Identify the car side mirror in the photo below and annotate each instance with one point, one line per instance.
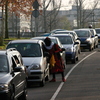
(17, 69)
(76, 42)
(92, 36)
(63, 49)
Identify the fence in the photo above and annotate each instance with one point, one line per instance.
(24, 34)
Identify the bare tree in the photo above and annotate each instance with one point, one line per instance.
(50, 12)
(82, 13)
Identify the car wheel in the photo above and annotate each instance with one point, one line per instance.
(96, 46)
(90, 48)
(24, 94)
(74, 61)
(42, 83)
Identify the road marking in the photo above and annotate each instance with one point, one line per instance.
(62, 83)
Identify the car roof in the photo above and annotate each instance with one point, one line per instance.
(82, 29)
(25, 41)
(61, 35)
(43, 37)
(3, 52)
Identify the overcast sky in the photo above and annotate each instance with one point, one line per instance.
(66, 4)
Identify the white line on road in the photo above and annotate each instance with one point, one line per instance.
(62, 83)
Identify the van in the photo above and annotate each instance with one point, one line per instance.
(34, 58)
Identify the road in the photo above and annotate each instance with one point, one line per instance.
(82, 81)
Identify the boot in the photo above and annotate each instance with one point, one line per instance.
(53, 80)
(63, 79)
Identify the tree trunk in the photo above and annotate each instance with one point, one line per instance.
(6, 20)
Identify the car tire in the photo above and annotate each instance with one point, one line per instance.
(73, 61)
(97, 46)
(90, 48)
(42, 83)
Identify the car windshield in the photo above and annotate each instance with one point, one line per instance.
(92, 32)
(53, 40)
(27, 49)
(62, 32)
(65, 39)
(82, 33)
(3, 64)
(97, 31)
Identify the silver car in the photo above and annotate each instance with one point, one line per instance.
(34, 58)
(57, 41)
(75, 36)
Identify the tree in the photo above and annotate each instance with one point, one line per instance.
(63, 23)
(18, 7)
(82, 14)
(50, 12)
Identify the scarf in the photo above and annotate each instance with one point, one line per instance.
(49, 47)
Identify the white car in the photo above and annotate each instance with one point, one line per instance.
(55, 40)
(71, 47)
(34, 58)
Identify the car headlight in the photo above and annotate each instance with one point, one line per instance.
(3, 86)
(34, 67)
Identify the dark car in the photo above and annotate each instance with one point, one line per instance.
(13, 78)
(86, 38)
(70, 45)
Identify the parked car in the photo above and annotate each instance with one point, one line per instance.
(98, 33)
(75, 36)
(56, 30)
(13, 77)
(86, 38)
(45, 34)
(71, 47)
(95, 37)
(34, 58)
(55, 40)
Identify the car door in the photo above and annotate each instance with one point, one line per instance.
(17, 78)
(45, 63)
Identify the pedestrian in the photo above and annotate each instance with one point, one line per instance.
(54, 50)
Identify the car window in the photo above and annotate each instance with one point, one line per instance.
(92, 32)
(18, 63)
(4, 67)
(27, 49)
(83, 33)
(65, 39)
(97, 31)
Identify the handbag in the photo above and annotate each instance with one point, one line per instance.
(52, 61)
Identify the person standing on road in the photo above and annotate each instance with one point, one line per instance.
(54, 50)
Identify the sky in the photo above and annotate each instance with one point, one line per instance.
(67, 3)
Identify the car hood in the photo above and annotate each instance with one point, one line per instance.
(83, 38)
(68, 46)
(30, 60)
(99, 35)
(4, 77)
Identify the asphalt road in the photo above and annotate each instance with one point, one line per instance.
(82, 81)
